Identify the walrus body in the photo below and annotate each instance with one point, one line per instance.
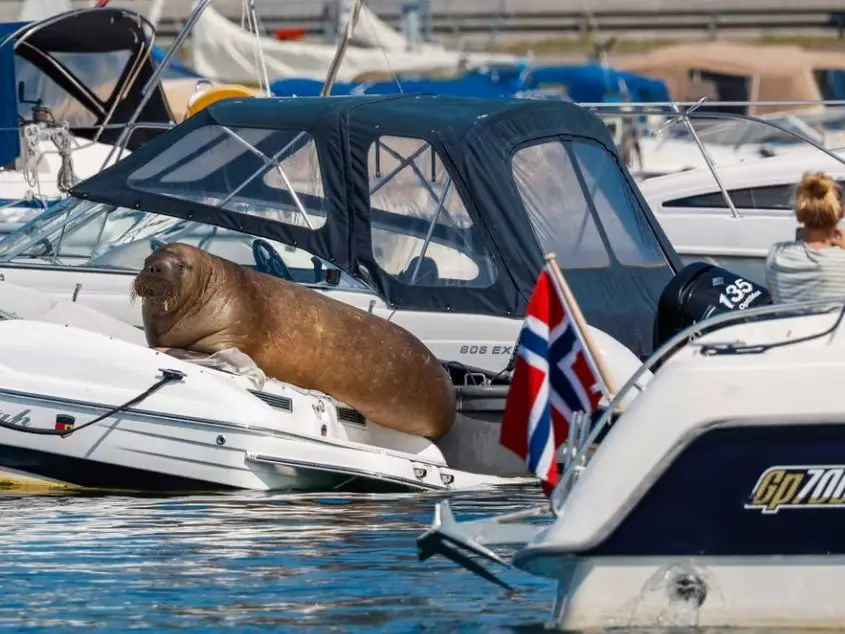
(197, 301)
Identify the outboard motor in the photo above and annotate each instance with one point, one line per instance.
(699, 291)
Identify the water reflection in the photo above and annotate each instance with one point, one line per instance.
(281, 562)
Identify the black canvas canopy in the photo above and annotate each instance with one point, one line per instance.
(438, 203)
(88, 66)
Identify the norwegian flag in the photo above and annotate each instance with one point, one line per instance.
(553, 378)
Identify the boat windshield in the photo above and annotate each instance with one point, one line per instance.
(822, 127)
(595, 225)
(76, 232)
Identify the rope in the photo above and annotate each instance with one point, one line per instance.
(66, 178)
(168, 376)
(31, 154)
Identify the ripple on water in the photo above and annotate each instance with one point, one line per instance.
(249, 561)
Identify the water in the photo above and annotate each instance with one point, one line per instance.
(254, 562)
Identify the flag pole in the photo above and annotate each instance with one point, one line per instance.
(594, 357)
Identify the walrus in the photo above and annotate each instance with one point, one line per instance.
(197, 301)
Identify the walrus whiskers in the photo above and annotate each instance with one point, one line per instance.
(152, 288)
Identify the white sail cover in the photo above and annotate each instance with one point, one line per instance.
(223, 51)
(36, 10)
(371, 31)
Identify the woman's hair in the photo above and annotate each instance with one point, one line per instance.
(818, 201)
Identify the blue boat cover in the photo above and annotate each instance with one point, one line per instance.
(580, 83)
(176, 69)
(10, 145)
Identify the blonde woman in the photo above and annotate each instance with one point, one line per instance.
(813, 266)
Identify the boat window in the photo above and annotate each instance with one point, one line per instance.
(37, 85)
(628, 232)
(98, 71)
(69, 233)
(82, 233)
(738, 133)
(557, 209)
(421, 232)
(764, 197)
(129, 236)
(271, 173)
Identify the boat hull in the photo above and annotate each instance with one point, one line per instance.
(746, 592)
(83, 409)
(141, 451)
(138, 452)
(728, 512)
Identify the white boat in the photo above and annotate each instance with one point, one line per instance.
(422, 180)
(693, 209)
(454, 266)
(82, 408)
(658, 149)
(730, 213)
(650, 157)
(65, 98)
(715, 497)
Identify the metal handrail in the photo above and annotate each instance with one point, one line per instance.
(155, 79)
(637, 109)
(577, 462)
(721, 104)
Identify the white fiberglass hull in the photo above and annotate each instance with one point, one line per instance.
(716, 498)
(747, 592)
(156, 453)
(207, 429)
(728, 512)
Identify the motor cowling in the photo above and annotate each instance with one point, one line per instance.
(701, 290)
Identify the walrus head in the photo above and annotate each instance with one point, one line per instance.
(162, 280)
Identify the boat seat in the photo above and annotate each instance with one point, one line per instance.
(427, 275)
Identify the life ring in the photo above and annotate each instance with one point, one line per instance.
(205, 98)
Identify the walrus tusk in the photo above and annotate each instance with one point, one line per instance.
(297, 335)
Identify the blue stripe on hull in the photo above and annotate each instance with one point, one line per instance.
(738, 491)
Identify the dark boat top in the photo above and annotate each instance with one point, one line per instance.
(438, 203)
(88, 67)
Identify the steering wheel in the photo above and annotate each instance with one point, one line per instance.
(268, 260)
(48, 249)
